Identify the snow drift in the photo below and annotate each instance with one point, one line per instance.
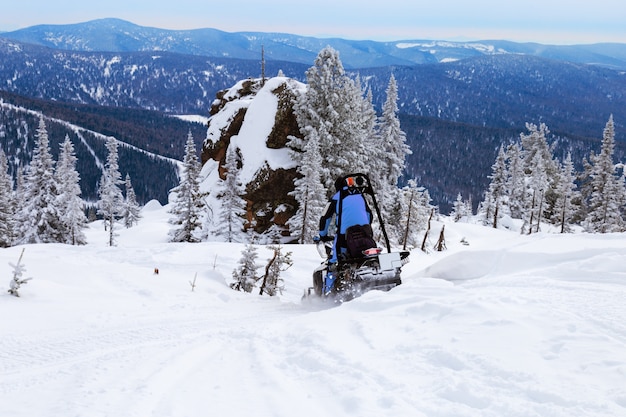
(508, 325)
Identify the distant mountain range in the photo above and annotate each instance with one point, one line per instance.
(458, 101)
(115, 35)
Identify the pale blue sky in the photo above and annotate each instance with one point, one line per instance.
(544, 21)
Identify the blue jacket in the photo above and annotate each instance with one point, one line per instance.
(354, 211)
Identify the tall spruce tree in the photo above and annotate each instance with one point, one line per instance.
(333, 107)
(7, 205)
(308, 192)
(393, 139)
(232, 215)
(111, 199)
(388, 154)
(131, 211)
(566, 195)
(40, 216)
(515, 184)
(188, 206)
(72, 207)
(496, 205)
(607, 193)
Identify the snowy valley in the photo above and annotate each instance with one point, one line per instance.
(506, 325)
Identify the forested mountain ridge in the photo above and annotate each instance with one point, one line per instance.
(117, 35)
(472, 104)
(152, 141)
(503, 91)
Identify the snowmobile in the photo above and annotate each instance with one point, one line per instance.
(362, 270)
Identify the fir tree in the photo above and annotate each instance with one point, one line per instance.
(308, 192)
(459, 209)
(39, 214)
(515, 184)
(245, 276)
(7, 205)
(131, 211)
(497, 189)
(537, 186)
(393, 139)
(608, 195)
(566, 192)
(189, 205)
(231, 219)
(70, 204)
(416, 209)
(111, 198)
(332, 106)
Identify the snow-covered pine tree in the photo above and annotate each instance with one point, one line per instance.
(245, 276)
(608, 194)
(497, 190)
(535, 145)
(416, 208)
(110, 193)
(333, 107)
(536, 153)
(393, 139)
(566, 195)
(7, 204)
(515, 185)
(538, 185)
(39, 215)
(388, 155)
(71, 206)
(131, 211)
(232, 214)
(272, 282)
(460, 209)
(308, 192)
(188, 206)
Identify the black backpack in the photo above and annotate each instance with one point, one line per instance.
(358, 239)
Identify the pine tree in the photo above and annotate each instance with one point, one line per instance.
(71, 206)
(538, 185)
(497, 189)
(515, 184)
(131, 211)
(189, 205)
(39, 213)
(416, 208)
(393, 139)
(608, 195)
(272, 283)
(566, 192)
(232, 216)
(7, 205)
(245, 275)
(111, 198)
(459, 209)
(332, 106)
(308, 192)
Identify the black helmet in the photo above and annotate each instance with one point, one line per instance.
(339, 183)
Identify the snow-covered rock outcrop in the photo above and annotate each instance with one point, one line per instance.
(257, 118)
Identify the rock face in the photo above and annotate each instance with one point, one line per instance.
(257, 118)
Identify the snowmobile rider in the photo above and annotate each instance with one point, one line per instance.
(354, 211)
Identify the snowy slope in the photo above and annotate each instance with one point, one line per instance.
(509, 325)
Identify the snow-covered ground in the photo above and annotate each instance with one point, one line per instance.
(508, 325)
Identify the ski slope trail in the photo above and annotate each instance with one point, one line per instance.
(508, 325)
